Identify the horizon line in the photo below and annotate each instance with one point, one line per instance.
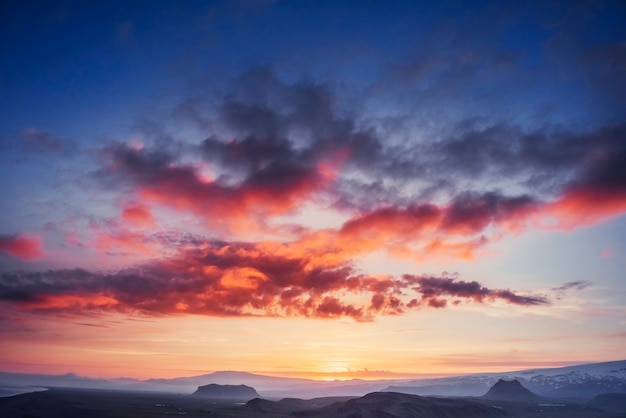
(327, 376)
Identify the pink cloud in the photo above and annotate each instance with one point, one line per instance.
(584, 206)
(138, 215)
(231, 207)
(24, 246)
(138, 243)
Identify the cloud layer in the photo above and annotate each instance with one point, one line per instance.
(221, 200)
(287, 146)
(243, 279)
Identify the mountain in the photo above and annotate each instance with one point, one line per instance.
(582, 381)
(384, 405)
(271, 386)
(97, 403)
(511, 390)
(14, 383)
(230, 392)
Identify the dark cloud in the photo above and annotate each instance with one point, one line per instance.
(272, 189)
(251, 153)
(270, 121)
(300, 124)
(566, 287)
(435, 289)
(605, 165)
(127, 163)
(268, 131)
(473, 213)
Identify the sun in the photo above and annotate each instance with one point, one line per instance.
(335, 368)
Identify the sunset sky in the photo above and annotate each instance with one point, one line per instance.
(311, 188)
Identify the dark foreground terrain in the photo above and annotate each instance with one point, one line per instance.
(75, 403)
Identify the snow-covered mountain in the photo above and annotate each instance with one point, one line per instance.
(583, 381)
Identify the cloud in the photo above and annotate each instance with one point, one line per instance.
(600, 191)
(577, 285)
(24, 246)
(435, 289)
(113, 241)
(240, 279)
(276, 188)
(560, 291)
(274, 176)
(456, 230)
(275, 147)
(138, 215)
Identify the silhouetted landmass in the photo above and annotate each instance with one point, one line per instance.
(510, 391)
(77, 403)
(451, 388)
(230, 392)
(400, 405)
(615, 402)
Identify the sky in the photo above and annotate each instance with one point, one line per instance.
(311, 188)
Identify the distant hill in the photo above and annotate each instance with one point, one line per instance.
(383, 404)
(583, 382)
(272, 386)
(510, 391)
(613, 402)
(229, 392)
(96, 403)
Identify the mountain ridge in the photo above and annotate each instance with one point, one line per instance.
(586, 380)
(583, 381)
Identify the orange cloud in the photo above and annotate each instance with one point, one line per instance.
(240, 279)
(457, 230)
(72, 302)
